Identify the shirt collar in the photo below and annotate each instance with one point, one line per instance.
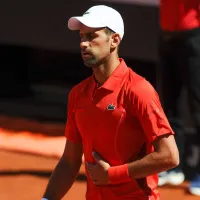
(116, 77)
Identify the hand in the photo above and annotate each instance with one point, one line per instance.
(98, 172)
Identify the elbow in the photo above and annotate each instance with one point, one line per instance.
(172, 160)
(175, 160)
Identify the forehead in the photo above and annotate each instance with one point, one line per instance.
(86, 29)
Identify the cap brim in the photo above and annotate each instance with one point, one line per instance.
(74, 23)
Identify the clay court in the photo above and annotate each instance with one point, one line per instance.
(29, 152)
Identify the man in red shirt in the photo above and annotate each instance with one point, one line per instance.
(180, 61)
(115, 118)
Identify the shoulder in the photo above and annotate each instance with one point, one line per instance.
(80, 87)
(139, 89)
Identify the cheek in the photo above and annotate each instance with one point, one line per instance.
(104, 48)
(101, 48)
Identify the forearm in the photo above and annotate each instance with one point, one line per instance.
(61, 180)
(151, 164)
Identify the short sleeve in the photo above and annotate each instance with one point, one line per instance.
(71, 131)
(147, 107)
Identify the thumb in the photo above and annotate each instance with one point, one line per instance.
(97, 157)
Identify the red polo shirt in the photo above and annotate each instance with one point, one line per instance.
(119, 120)
(176, 15)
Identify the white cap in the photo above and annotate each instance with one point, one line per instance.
(98, 17)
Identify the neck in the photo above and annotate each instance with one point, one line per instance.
(103, 71)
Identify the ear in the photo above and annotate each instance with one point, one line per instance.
(115, 40)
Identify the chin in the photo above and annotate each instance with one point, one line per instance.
(90, 64)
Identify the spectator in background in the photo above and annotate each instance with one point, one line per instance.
(180, 61)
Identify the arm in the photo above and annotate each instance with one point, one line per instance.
(65, 172)
(147, 107)
(164, 157)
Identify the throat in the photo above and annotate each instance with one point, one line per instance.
(103, 72)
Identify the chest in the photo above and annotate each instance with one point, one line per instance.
(106, 125)
(101, 111)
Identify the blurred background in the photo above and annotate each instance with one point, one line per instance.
(40, 61)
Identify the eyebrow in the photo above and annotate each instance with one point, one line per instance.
(88, 33)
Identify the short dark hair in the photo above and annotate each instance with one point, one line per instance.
(109, 31)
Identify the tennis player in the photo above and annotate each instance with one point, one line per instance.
(115, 118)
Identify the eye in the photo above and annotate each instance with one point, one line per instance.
(93, 35)
(88, 36)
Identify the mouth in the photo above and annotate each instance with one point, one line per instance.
(86, 54)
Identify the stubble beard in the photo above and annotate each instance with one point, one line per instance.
(91, 63)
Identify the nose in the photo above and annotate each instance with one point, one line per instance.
(84, 44)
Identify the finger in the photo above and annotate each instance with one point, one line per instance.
(89, 170)
(91, 177)
(90, 166)
(96, 182)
